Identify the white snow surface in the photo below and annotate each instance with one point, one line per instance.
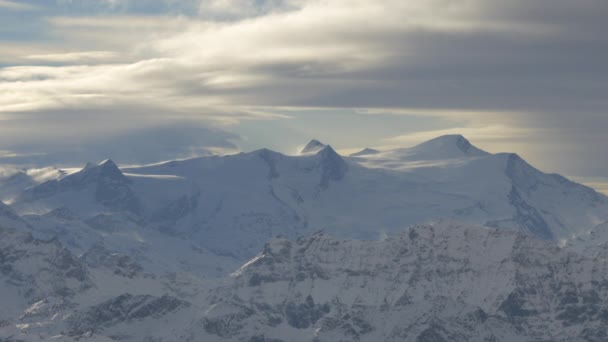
(442, 282)
(231, 205)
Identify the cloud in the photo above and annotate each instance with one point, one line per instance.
(134, 146)
(239, 9)
(490, 136)
(504, 73)
(417, 55)
(600, 184)
(17, 6)
(82, 56)
(43, 174)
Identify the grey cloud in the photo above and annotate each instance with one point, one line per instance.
(479, 70)
(132, 146)
(538, 64)
(16, 6)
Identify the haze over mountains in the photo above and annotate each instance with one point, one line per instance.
(109, 251)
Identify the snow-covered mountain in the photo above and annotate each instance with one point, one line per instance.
(104, 183)
(364, 152)
(50, 289)
(14, 181)
(31, 269)
(313, 146)
(145, 253)
(231, 205)
(445, 282)
(430, 283)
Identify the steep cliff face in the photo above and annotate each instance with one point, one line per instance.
(431, 283)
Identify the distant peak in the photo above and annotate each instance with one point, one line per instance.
(7, 211)
(449, 146)
(365, 152)
(106, 169)
(312, 147)
(18, 176)
(333, 167)
(108, 163)
(462, 143)
(328, 151)
(452, 139)
(326, 147)
(315, 142)
(4, 206)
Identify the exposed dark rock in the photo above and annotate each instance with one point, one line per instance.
(305, 314)
(331, 165)
(122, 309)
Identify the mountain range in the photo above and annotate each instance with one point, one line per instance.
(438, 242)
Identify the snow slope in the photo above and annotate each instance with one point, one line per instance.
(230, 205)
(153, 253)
(443, 282)
(431, 283)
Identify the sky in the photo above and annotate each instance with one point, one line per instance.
(148, 80)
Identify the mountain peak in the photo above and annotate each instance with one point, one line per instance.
(327, 152)
(6, 210)
(8, 216)
(331, 164)
(457, 140)
(20, 175)
(108, 163)
(106, 169)
(365, 152)
(448, 146)
(312, 147)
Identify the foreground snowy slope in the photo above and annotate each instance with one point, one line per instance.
(445, 282)
(230, 205)
(45, 281)
(430, 283)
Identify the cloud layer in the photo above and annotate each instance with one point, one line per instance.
(134, 146)
(518, 75)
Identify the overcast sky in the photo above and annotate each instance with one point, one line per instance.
(79, 79)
